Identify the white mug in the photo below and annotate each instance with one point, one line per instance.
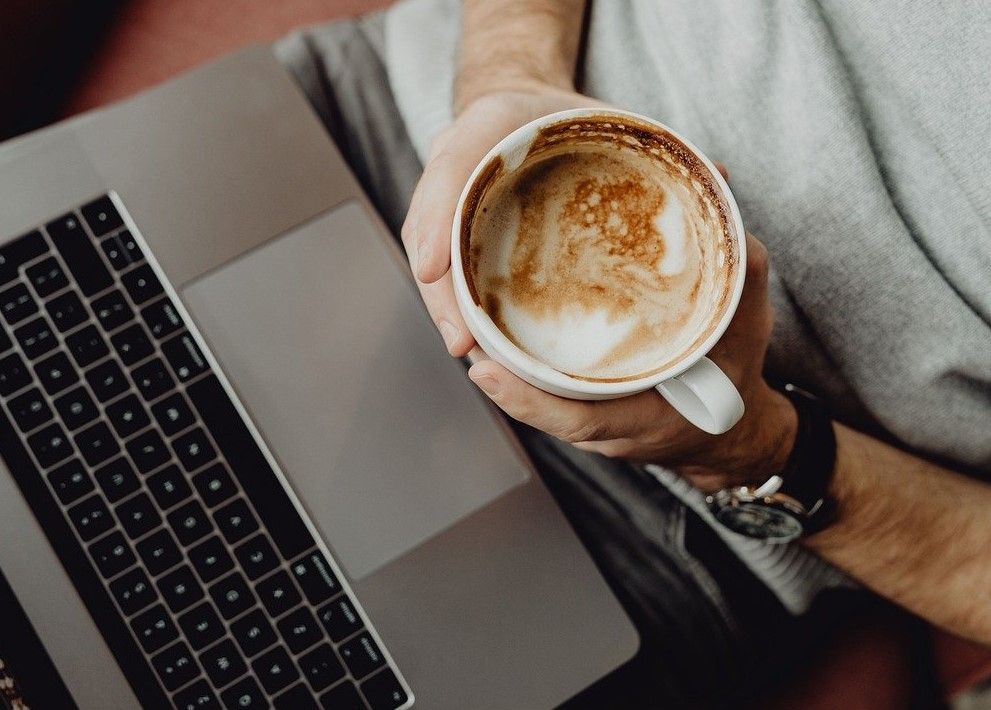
(694, 385)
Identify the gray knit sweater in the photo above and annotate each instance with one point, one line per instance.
(858, 140)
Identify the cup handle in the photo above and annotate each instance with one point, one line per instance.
(705, 396)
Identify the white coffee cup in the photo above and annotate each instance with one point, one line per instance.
(694, 385)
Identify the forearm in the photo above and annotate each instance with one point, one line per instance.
(514, 44)
(914, 532)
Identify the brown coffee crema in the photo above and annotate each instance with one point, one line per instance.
(609, 254)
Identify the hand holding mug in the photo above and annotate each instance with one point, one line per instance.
(642, 426)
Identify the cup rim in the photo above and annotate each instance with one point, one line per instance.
(490, 337)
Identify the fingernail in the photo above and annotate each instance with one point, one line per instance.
(448, 332)
(422, 256)
(488, 384)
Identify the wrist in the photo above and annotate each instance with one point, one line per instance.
(765, 440)
(469, 88)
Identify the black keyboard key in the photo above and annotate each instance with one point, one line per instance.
(79, 254)
(50, 445)
(300, 630)
(232, 596)
(342, 697)
(30, 410)
(36, 338)
(66, 311)
(5, 342)
(275, 670)
(86, 346)
(198, 696)
(17, 303)
(169, 487)
(253, 633)
(148, 451)
(142, 284)
(257, 556)
(173, 414)
(127, 416)
(321, 667)
(46, 277)
(76, 408)
(250, 467)
(91, 518)
(112, 554)
(340, 618)
(70, 481)
(175, 666)
(362, 655)
(18, 252)
(315, 577)
(215, 485)
(153, 379)
(138, 515)
(112, 310)
(201, 625)
(162, 318)
(132, 344)
(133, 591)
(117, 479)
(210, 559)
(107, 380)
(184, 357)
(131, 247)
(297, 697)
(180, 589)
(159, 552)
(235, 520)
(101, 216)
(194, 449)
(154, 628)
(117, 255)
(190, 522)
(97, 443)
(56, 373)
(245, 695)
(278, 593)
(383, 691)
(223, 663)
(14, 374)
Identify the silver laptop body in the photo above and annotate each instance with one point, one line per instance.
(469, 577)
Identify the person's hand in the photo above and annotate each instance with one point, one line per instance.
(641, 427)
(645, 428)
(454, 153)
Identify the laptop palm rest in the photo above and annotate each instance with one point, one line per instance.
(377, 428)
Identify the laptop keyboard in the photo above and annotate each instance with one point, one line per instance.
(167, 515)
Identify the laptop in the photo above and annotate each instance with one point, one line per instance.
(239, 468)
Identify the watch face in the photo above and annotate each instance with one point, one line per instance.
(763, 522)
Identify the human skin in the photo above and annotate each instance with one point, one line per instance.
(913, 531)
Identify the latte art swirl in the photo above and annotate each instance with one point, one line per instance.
(605, 258)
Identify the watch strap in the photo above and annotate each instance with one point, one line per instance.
(808, 471)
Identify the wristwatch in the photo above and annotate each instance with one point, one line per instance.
(795, 502)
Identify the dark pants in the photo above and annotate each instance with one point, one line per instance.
(712, 634)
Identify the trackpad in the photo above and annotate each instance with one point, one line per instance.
(377, 428)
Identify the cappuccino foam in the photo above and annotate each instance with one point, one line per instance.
(604, 256)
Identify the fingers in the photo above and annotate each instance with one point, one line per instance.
(568, 419)
(453, 156)
(722, 170)
(443, 309)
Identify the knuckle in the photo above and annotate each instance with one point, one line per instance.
(758, 261)
(586, 430)
(406, 232)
